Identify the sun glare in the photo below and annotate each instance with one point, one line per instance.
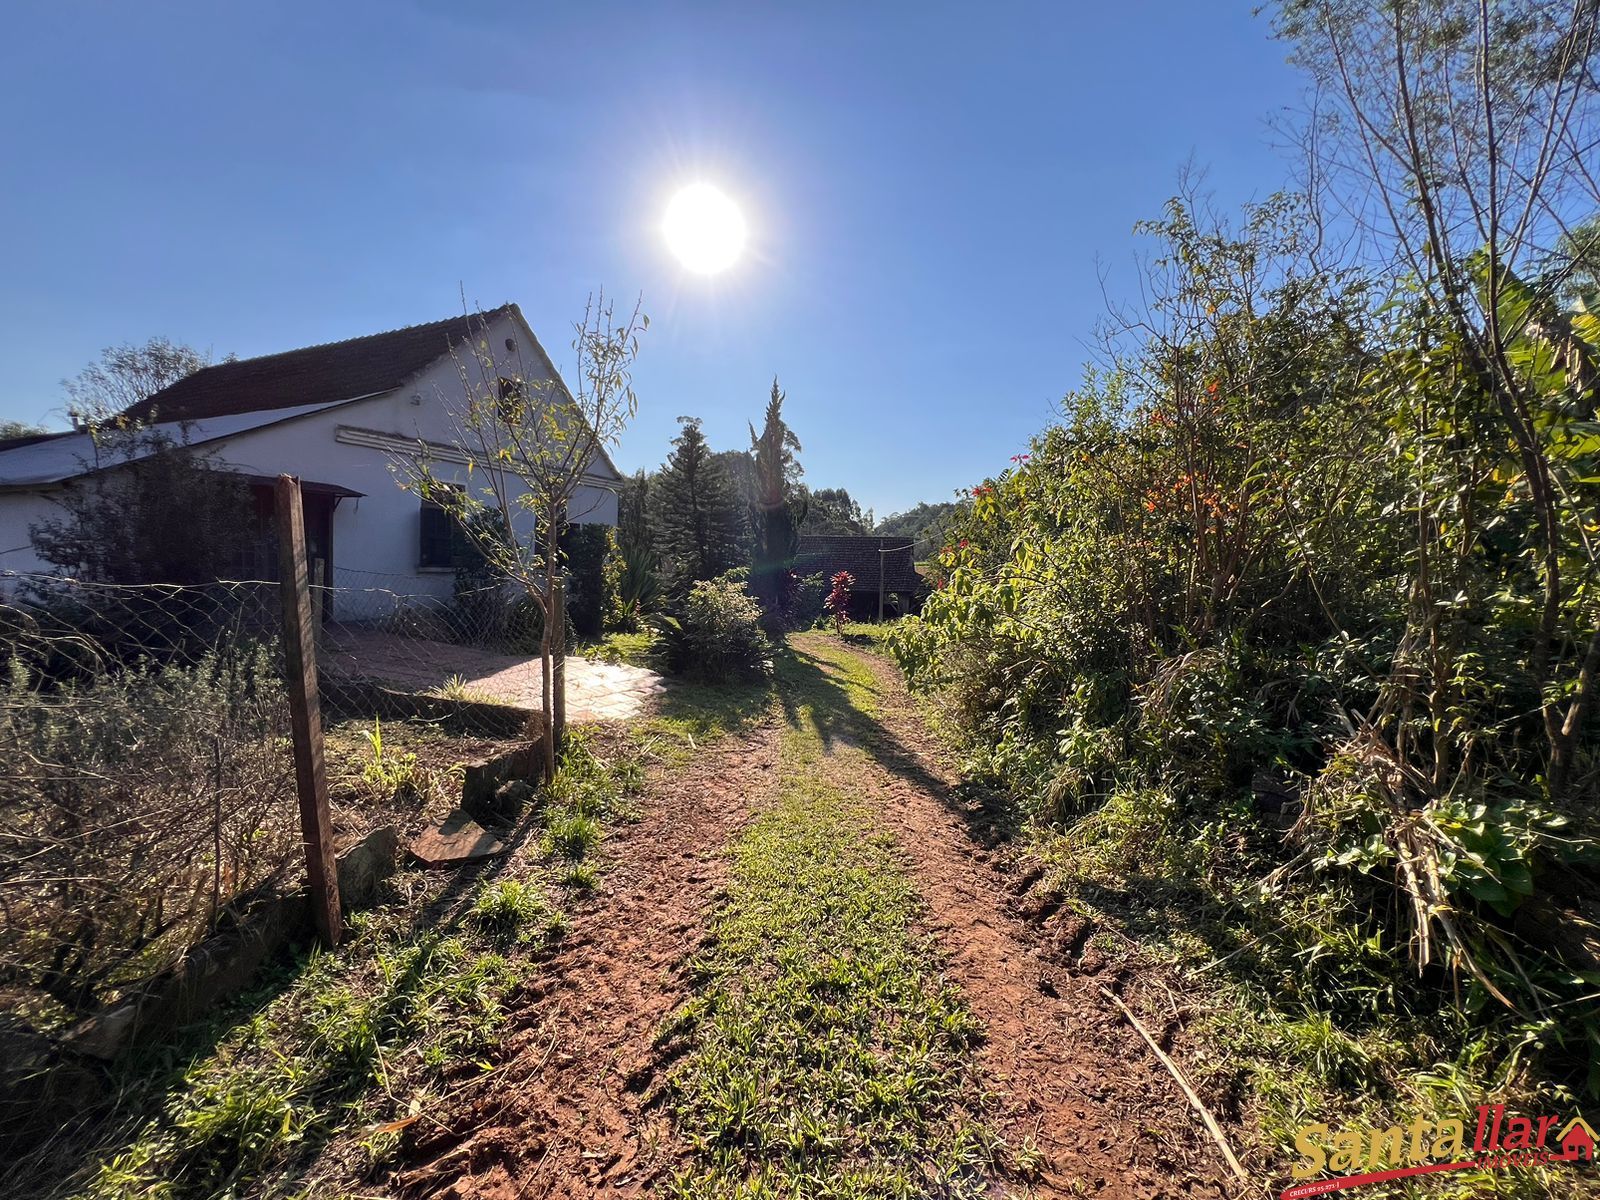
(704, 229)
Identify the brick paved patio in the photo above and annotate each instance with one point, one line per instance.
(596, 691)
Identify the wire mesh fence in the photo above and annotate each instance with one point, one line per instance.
(474, 643)
(146, 784)
(147, 787)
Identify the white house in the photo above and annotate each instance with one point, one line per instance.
(337, 416)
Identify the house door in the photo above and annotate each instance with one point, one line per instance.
(259, 556)
(317, 508)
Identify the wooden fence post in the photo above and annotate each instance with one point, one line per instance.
(305, 712)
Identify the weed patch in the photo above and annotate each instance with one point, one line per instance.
(358, 1039)
(516, 910)
(314, 1089)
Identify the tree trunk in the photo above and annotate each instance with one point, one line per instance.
(557, 625)
(547, 735)
(558, 621)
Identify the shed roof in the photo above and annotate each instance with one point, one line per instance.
(41, 462)
(830, 553)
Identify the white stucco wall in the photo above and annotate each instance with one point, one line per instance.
(18, 511)
(376, 538)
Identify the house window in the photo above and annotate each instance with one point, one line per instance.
(441, 543)
(511, 398)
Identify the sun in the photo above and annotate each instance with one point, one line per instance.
(704, 229)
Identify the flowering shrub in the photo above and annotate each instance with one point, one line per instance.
(838, 601)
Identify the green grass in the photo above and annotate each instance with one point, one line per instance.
(363, 1035)
(1293, 1007)
(825, 1054)
(691, 715)
(632, 649)
(344, 1048)
(572, 834)
(584, 792)
(869, 635)
(457, 688)
(516, 910)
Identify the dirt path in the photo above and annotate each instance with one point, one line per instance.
(1073, 1078)
(565, 1116)
(1080, 1099)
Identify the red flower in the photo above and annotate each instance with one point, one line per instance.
(965, 543)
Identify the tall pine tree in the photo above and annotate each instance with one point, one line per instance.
(778, 509)
(696, 518)
(633, 513)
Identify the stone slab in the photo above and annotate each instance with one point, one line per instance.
(456, 840)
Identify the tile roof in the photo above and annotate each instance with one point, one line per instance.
(831, 553)
(362, 366)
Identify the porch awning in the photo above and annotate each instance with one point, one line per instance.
(309, 485)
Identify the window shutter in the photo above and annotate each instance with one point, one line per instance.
(436, 541)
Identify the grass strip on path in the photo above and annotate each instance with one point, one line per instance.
(824, 1055)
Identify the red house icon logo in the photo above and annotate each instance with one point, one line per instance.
(1577, 1141)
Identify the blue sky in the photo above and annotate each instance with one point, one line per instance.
(934, 192)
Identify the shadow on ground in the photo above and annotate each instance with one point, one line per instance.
(816, 697)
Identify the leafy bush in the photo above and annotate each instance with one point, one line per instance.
(156, 510)
(1266, 618)
(633, 588)
(587, 548)
(838, 600)
(715, 635)
(806, 599)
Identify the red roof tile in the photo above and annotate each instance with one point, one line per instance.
(361, 366)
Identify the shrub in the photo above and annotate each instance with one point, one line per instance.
(1262, 620)
(156, 510)
(588, 548)
(633, 588)
(134, 807)
(838, 601)
(715, 636)
(806, 602)
(515, 910)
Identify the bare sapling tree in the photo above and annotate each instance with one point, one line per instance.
(1457, 137)
(529, 444)
(127, 374)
